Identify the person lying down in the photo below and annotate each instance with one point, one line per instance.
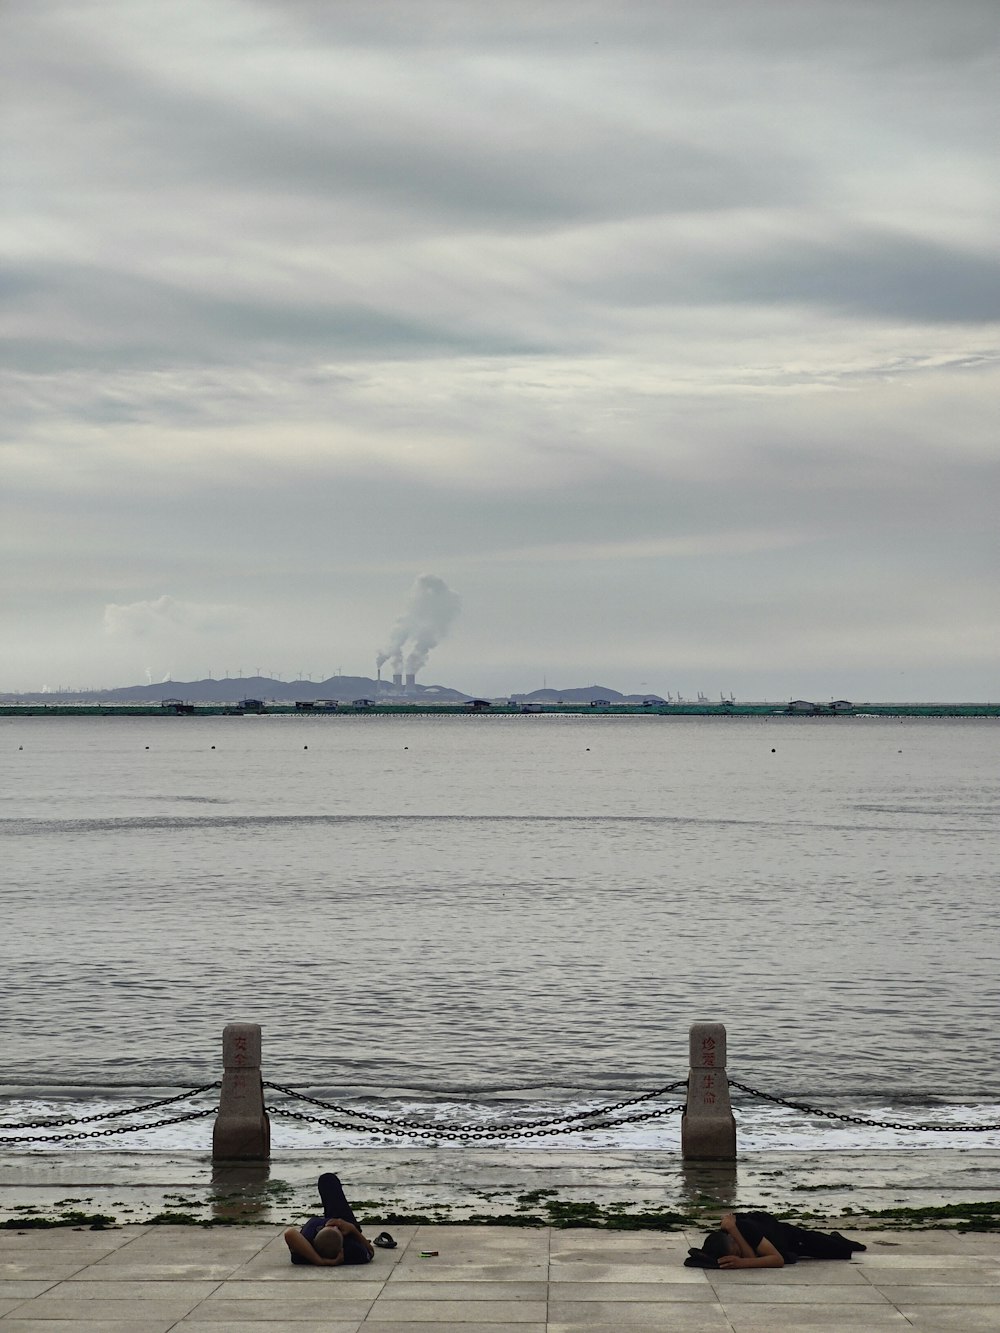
(760, 1240)
(335, 1238)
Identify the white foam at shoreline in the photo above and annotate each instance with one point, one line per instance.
(764, 1128)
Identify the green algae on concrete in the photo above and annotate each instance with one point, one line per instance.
(619, 1191)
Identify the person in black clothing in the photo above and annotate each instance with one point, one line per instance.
(758, 1240)
(335, 1238)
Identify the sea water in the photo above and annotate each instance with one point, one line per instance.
(483, 918)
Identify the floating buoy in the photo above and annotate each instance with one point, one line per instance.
(213, 747)
(305, 747)
(773, 751)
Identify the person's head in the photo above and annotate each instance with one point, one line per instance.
(328, 1243)
(714, 1247)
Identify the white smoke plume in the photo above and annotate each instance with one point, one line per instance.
(427, 619)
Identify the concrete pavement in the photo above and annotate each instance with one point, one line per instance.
(158, 1279)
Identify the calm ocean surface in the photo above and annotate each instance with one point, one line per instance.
(473, 916)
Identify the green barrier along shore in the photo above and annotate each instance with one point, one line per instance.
(877, 710)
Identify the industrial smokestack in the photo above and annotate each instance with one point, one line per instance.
(411, 680)
(425, 622)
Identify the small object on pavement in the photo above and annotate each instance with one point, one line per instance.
(429, 1254)
(384, 1241)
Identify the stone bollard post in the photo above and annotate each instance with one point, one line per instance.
(708, 1129)
(242, 1130)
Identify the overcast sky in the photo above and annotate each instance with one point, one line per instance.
(667, 335)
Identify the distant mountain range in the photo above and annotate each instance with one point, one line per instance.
(341, 688)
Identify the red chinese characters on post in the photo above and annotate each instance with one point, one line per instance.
(708, 1052)
(706, 1086)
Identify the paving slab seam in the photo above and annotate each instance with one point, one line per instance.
(256, 1255)
(720, 1303)
(221, 1283)
(935, 1281)
(894, 1306)
(548, 1277)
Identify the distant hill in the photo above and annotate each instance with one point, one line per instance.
(341, 688)
(584, 694)
(228, 691)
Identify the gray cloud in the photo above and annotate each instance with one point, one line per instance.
(466, 142)
(112, 318)
(164, 615)
(886, 274)
(677, 322)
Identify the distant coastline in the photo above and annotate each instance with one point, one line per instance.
(484, 708)
(353, 694)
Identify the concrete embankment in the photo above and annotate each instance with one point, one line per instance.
(588, 1242)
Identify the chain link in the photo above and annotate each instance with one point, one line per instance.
(597, 1118)
(110, 1115)
(580, 1121)
(468, 1136)
(106, 1133)
(470, 1127)
(860, 1119)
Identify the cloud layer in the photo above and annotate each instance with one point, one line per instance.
(668, 337)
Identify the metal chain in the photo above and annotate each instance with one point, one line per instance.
(860, 1119)
(105, 1133)
(470, 1127)
(467, 1132)
(468, 1136)
(110, 1115)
